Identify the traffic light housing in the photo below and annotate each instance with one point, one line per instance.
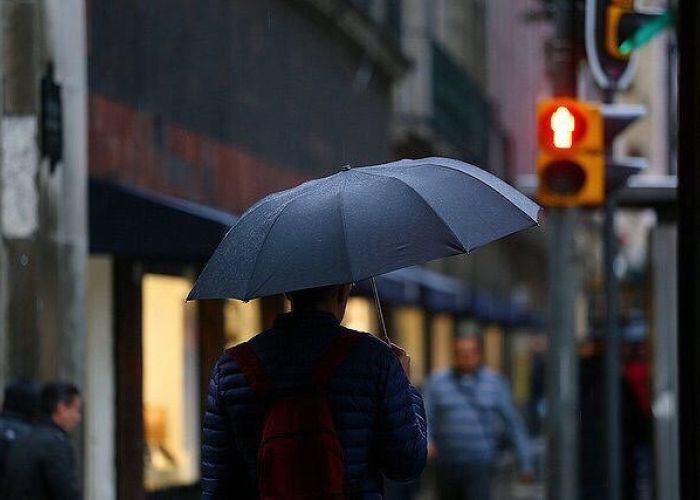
(623, 23)
(613, 31)
(570, 162)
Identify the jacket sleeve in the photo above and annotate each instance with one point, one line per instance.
(59, 470)
(515, 427)
(402, 433)
(223, 469)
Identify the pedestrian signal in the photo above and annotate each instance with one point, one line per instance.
(570, 163)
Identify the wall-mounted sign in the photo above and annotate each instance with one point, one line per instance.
(51, 119)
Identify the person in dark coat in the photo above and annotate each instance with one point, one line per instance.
(20, 408)
(41, 465)
(378, 414)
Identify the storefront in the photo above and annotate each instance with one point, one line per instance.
(150, 352)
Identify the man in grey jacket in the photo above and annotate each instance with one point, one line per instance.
(470, 410)
(41, 465)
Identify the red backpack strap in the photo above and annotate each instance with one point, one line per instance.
(334, 356)
(252, 368)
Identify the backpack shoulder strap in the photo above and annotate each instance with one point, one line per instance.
(330, 360)
(252, 368)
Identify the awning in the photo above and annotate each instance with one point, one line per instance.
(127, 221)
(438, 292)
(420, 286)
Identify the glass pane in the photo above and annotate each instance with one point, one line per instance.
(410, 334)
(361, 315)
(442, 335)
(242, 320)
(170, 374)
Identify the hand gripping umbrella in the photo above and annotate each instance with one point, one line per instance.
(360, 223)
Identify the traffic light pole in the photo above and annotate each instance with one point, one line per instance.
(562, 378)
(612, 353)
(562, 361)
(612, 336)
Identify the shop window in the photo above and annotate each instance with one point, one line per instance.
(361, 315)
(442, 338)
(242, 320)
(493, 347)
(521, 368)
(410, 334)
(170, 384)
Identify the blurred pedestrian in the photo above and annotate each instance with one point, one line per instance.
(470, 412)
(376, 426)
(637, 422)
(41, 464)
(20, 408)
(591, 426)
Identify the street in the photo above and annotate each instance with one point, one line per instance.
(201, 203)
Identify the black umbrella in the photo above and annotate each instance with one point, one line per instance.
(360, 223)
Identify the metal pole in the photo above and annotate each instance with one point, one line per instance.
(562, 359)
(377, 303)
(612, 354)
(665, 262)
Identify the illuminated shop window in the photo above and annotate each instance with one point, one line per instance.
(493, 347)
(442, 338)
(242, 320)
(170, 383)
(361, 315)
(409, 329)
(521, 369)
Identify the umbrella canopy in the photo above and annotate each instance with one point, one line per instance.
(362, 222)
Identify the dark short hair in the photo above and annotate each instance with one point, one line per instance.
(22, 397)
(57, 392)
(310, 297)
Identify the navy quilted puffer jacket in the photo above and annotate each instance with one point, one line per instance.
(378, 415)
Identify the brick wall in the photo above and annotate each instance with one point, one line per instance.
(222, 102)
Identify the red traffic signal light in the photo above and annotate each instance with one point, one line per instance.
(570, 165)
(565, 125)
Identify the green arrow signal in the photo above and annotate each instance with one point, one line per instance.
(648, 31)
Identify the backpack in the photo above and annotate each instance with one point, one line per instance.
(299, 454)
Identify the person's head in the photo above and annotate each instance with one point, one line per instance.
(61, 402)
(591, 347)
(332, 299)
(22, 398)
(467, 353)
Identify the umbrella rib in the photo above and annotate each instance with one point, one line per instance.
(303, 188)
(477, 176)
(425, 202)
(513, 202)
(345, 229)
(272, 226)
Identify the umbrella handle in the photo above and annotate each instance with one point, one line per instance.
(385, 337)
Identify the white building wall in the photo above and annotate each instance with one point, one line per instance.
(100, 464)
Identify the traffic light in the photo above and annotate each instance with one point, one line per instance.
(619, 17)
(570, 162)
(627, 29)
(616, 118)
(614, 29)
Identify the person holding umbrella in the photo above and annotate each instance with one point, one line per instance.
(378, 415)
(309, 409)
